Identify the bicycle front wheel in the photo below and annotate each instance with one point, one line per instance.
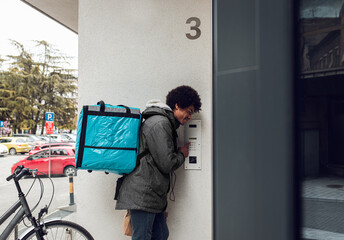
(61, 229)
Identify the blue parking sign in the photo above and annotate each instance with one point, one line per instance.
(2, 123)
(49, 116)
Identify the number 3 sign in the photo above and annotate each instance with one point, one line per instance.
(195, 27)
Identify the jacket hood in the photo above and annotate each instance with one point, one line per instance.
(157, 103)
(156, 107)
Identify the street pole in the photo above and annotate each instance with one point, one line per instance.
(49, 155)
(49, 125)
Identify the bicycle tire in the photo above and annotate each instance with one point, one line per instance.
(60, 229)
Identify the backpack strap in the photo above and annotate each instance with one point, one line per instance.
(141, 155)
(146, 151)
(174, 131)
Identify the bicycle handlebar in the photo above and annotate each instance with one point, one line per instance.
(20, 172)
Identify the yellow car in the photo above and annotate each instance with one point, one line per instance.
(15, 145)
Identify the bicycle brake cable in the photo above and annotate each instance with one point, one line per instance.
(41, 195)
(30, 187)
(45, 209)
(53, 190)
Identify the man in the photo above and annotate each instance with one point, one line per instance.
(144, 191)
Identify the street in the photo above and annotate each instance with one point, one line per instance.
(8, 192)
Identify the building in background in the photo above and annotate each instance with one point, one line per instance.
(322, 75)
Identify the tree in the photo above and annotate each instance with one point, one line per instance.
(34, 85)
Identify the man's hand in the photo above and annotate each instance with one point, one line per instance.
(185, 150)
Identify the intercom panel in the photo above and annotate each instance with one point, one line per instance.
(193, 135)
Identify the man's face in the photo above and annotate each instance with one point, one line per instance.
(183, 114)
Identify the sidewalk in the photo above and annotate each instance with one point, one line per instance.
(315, 234)
(324, 188)
(323, 208)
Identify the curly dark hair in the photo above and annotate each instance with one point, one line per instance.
(183, 96)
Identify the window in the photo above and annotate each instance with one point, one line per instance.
(39, 155)
(63, 152)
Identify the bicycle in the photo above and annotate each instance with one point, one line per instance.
(39, 229)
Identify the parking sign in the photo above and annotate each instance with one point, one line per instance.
(49, 117)
(49, 122)
(49, 127)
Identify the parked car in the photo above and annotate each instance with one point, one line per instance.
(48, 138)
(32, 140)
(3, 149)
(15, 145)
(71, 136)
(44, 138)
(60, 138)
(54, 144)
(62, 161)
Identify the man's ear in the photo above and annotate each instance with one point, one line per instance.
(176, 106)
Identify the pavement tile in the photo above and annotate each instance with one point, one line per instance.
(320, 190)
(316, 234)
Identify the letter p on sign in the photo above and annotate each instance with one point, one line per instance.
(49, 116)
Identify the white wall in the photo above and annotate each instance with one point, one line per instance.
(131, 51)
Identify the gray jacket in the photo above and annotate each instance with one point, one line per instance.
(146, 188)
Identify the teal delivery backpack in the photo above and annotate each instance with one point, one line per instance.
(108, 138)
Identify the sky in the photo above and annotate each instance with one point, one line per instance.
(20, 22)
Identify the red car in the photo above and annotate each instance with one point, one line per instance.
(62, 161)
(45, 146)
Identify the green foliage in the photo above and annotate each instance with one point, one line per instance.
(33, 85)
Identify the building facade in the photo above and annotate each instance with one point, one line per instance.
(240, 60)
